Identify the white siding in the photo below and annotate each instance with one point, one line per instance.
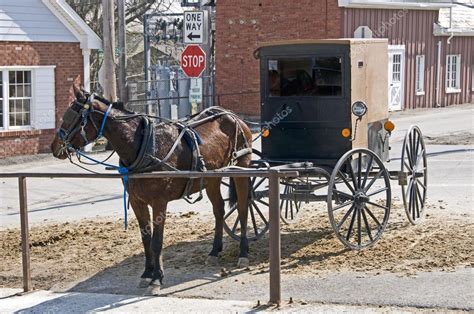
(31, 20)
(44, 98)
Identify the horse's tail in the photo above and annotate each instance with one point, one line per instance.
(232, 193)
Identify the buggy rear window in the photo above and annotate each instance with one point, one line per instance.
(306, 76)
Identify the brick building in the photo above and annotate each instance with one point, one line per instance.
(430, 42)
(44, 48)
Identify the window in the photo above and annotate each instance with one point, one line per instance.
(308, 76)
(420, 75)
(15, 99)
(453, 71)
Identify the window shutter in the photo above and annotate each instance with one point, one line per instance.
(44, 98)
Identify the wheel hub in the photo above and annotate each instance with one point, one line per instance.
(361, 198)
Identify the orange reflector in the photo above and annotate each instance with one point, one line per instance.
(346, 132)
(265, 132)
(389, 126)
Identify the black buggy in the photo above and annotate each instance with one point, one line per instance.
(324, 112)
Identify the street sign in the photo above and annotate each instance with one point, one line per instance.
(195, 90)
(194, 25)
(193, 61)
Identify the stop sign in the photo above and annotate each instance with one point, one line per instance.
(193, 61)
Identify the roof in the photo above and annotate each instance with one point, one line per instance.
(75, 24)
(396, 4)
(460, 24)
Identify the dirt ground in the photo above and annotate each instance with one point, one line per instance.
(62, 253)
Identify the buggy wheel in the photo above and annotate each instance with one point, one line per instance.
(359, 198)
(414, 166)
(257, 223)
(296, 192)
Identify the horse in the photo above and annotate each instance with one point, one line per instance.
(219, 136)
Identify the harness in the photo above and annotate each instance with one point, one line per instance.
(146, 160)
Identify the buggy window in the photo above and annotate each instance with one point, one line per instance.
(309, 76)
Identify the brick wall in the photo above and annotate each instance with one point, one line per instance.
(242, 25)
(69, 68)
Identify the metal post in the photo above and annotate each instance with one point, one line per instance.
(184, 106)
(275, 241)
(123, 51)
(146, 54)
(25, 239)
(110, 83)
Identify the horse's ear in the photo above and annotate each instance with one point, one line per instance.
(77, 92)
(84, 92)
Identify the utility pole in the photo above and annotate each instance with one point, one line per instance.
(122, 51)
(110, 83)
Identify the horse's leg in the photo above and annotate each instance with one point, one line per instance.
(159, 217)
(241, 187)
(143, 216)
(214, 193)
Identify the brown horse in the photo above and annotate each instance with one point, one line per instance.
(125, 130)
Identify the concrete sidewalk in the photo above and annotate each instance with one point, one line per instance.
(50, 302)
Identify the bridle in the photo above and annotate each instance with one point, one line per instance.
(77, 122)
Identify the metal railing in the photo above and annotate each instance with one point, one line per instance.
(273, 176)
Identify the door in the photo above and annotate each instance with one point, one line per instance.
(396, 77)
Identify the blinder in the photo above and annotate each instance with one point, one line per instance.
(76, 121)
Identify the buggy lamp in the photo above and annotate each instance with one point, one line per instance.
(389, 126)
(346, 132)
(265, 132)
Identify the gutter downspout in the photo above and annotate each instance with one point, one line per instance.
(438, 76)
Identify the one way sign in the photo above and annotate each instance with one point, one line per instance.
(194, 25)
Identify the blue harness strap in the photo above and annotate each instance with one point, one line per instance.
(102, 126)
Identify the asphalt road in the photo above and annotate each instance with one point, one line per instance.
(451, 173)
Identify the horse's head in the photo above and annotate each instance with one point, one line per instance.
(78, 127)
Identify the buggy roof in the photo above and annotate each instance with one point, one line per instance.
(335, 41)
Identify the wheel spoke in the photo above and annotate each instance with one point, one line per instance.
(367, 226)
(346, 182)
(349, 231)
(342, 205)
(339, 225)
(409, 187)
(377, 192)
(419, 196)
(225, 183)
(262, 202)
(409, 156)
(375, 178)
(259, 183)
(254, 222)
(231, 210)
(359, 171)
(412, 205)
(351, 197)
(359, 228)
(415, 199)
(408, 166)
(377, 205)
(422, 185)
(235, 224)
(367, 172)
(260, 213)
(373, 216)
(352, 174)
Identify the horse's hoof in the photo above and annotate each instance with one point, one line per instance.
(153, 289)
(144, 282)
(212, 260)
(243, 262)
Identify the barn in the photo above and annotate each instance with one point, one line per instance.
(44, 47)
(431, 45)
